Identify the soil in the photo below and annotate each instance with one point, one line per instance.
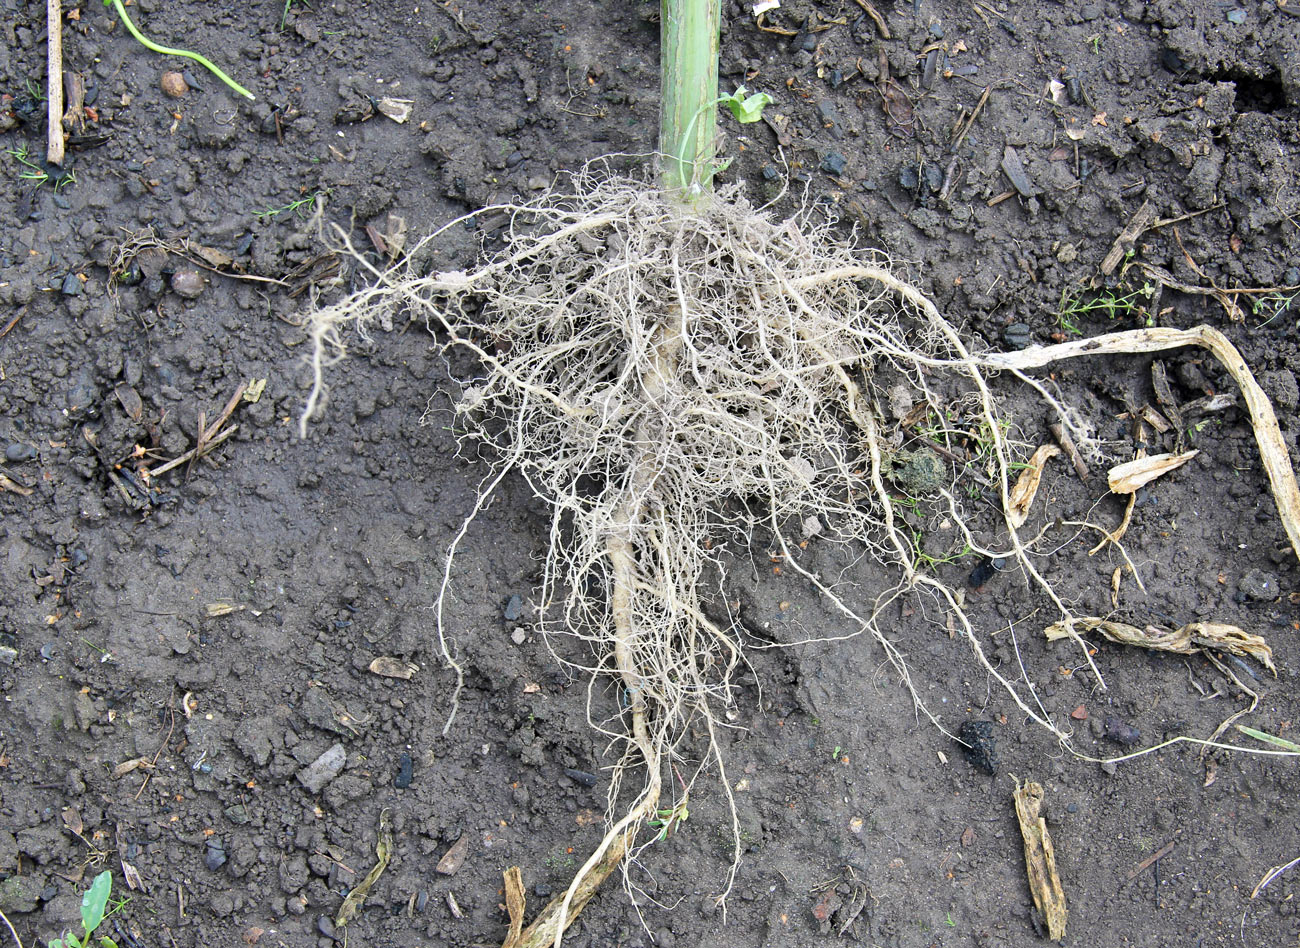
(216, 626)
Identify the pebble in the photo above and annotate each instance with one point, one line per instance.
(405, 771)
(71, 285)
(237, 813)
(325, 925)
(8, 655)
(984, 572)
(1016, 336)
(173, 83)
(422, 900)
(187, 283)
(1259, 586)
(834, 163)
(979, 744)
(214, 857)
(519, 636)
(323, 769)
(18, 453)
(514, 608)
(1121, 732)
(581, 776)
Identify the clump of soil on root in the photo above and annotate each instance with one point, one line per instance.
(668, 380)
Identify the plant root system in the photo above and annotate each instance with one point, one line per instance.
(675, 383)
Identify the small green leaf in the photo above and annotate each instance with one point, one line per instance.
(56, 943)
(106, 942)
(1269, 738)
(745, 108)
(94, 901)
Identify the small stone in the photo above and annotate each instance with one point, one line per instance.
(834, 163)
(405, 771)
(1016, 336)
(8, 655)
(71, 286)
(979, 744)
(17, 453)
(1109, 767)
(83, 709)
(581, 776)
(214, 857)
(1236, 16)
(187, 283)
(519, 636)
(826, 112)
(325, 926)
(1259, 586)
(1121, 732)
(323, 769)
(237, 814)
(422, 900)
(174, 84)
(1080, 713)
(514, 609)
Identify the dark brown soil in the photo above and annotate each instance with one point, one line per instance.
(330, 550)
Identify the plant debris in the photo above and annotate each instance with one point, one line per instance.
(1185, 640)
(1040, 859)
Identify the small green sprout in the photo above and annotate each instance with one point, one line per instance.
(34, 173)
(746, 108)
(949, 922)
(1269, 738)
(302, 207)
(667, 820)
(95, 908)
(171, 51)
(1274, 304)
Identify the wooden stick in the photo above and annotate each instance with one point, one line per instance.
(54, 81)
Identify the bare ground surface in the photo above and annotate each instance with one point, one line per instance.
(219, 622)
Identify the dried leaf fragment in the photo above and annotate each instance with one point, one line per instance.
(1022, 495)
(14, 488)
(1183, 641)
(399, 110)
(1040, 859)
(383, 853)
(390, 667)
(1126, 478)
(135, 763)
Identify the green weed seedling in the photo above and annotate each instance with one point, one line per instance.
(1273, 305)
(668, 820)
(31, 171)
(302, 207)
(1114, 303)
(96, 906)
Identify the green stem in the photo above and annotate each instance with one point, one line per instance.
(688, 115)
(169, 51)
